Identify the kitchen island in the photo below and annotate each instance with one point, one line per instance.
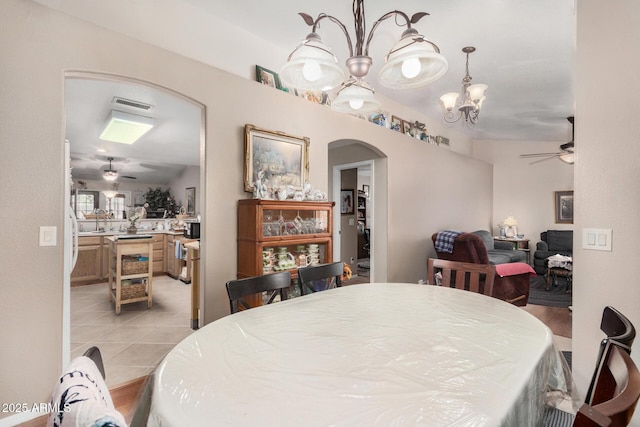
(130, 269)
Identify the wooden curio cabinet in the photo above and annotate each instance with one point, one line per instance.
(265, 225)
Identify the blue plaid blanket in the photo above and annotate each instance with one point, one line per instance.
(444, 240)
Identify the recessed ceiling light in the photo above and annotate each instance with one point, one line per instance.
(125, 128)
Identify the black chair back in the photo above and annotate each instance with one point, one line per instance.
(316, 278)
(618, 328)
(273, 284)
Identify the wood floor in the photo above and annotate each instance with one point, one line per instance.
(125, 397)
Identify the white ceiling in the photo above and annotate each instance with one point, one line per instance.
(525, 49)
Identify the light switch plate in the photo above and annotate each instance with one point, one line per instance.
(597, 239)
(48, 235)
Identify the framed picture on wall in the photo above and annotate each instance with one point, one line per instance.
(564, 207)
(191, 201)
(346, 202)
(274, 158)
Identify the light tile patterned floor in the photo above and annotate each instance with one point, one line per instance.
(134, 342)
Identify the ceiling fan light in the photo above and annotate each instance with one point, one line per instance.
(355, 98)
(125, 128)
(477, 93)
(110, 175)
(312, 66)
(413, 52)
(448, 100)
(568, 157)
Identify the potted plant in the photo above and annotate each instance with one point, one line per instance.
(159, 201)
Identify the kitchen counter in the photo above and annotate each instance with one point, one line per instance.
(121, 233)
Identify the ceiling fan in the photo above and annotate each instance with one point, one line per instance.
(112, 174)
(566, 153)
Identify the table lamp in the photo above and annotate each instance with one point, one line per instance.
(510, 224)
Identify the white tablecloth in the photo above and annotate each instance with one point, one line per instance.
(362, 355)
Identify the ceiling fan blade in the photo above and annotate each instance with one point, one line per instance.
(542, 160)
(128, 177)
(540, 154)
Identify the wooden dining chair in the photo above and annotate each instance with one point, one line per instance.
(615, 393)
(273, 284)
(316, 278)
(477, 278)
(616, 327)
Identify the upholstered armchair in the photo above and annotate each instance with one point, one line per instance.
(552, 242)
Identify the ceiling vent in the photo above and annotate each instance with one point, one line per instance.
(132, 104)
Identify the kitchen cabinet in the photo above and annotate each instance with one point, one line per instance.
(130, 270)
(267, 225)
(89, 265)
(175, 264)
(158, 253)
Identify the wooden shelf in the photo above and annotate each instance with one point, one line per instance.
(118, 249)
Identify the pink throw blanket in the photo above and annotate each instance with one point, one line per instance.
(513, 269)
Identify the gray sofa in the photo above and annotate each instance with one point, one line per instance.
(552, 242)
(500, 252)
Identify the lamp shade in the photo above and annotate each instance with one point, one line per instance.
(355, 98)
(312, 66)
(448, 100)
(510, 221)
(477, 93)
(110, 194)
(412, 62)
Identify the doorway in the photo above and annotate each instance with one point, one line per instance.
(139, 166)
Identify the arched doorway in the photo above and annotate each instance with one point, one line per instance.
(178, 132)
(366, 160)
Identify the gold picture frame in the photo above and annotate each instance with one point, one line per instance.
(283, 159)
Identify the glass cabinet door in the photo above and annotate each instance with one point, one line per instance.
(293, 222)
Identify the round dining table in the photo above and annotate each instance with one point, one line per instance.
(379, 354)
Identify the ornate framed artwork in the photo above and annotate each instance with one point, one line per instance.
(346, 202)
(274, 158)
(564, 207)
(191, 201)
(267, 77)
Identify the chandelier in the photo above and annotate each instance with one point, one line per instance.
(468, 105)
(412, 62)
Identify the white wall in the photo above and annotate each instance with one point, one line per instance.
(425, 184)
(525, 190)
(190, 177)
(607, 173)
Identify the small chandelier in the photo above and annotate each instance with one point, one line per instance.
(412, 62)
(110, 174)
(467, 106)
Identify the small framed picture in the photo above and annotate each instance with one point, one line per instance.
(191, 201)
(396, 124)
(267, 77)
(406, 128)
(564, 207)
(346, 202)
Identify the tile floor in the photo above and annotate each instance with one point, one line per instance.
(134, 342)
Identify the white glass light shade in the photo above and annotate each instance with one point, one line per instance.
(477, 93)
(568, 158)
(110, 194)
(448, 100)
(412, 47)
(351, 97)
(110, 175)
(125, 128)
(312, 66)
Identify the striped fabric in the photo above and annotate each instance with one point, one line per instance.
(554, 417)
